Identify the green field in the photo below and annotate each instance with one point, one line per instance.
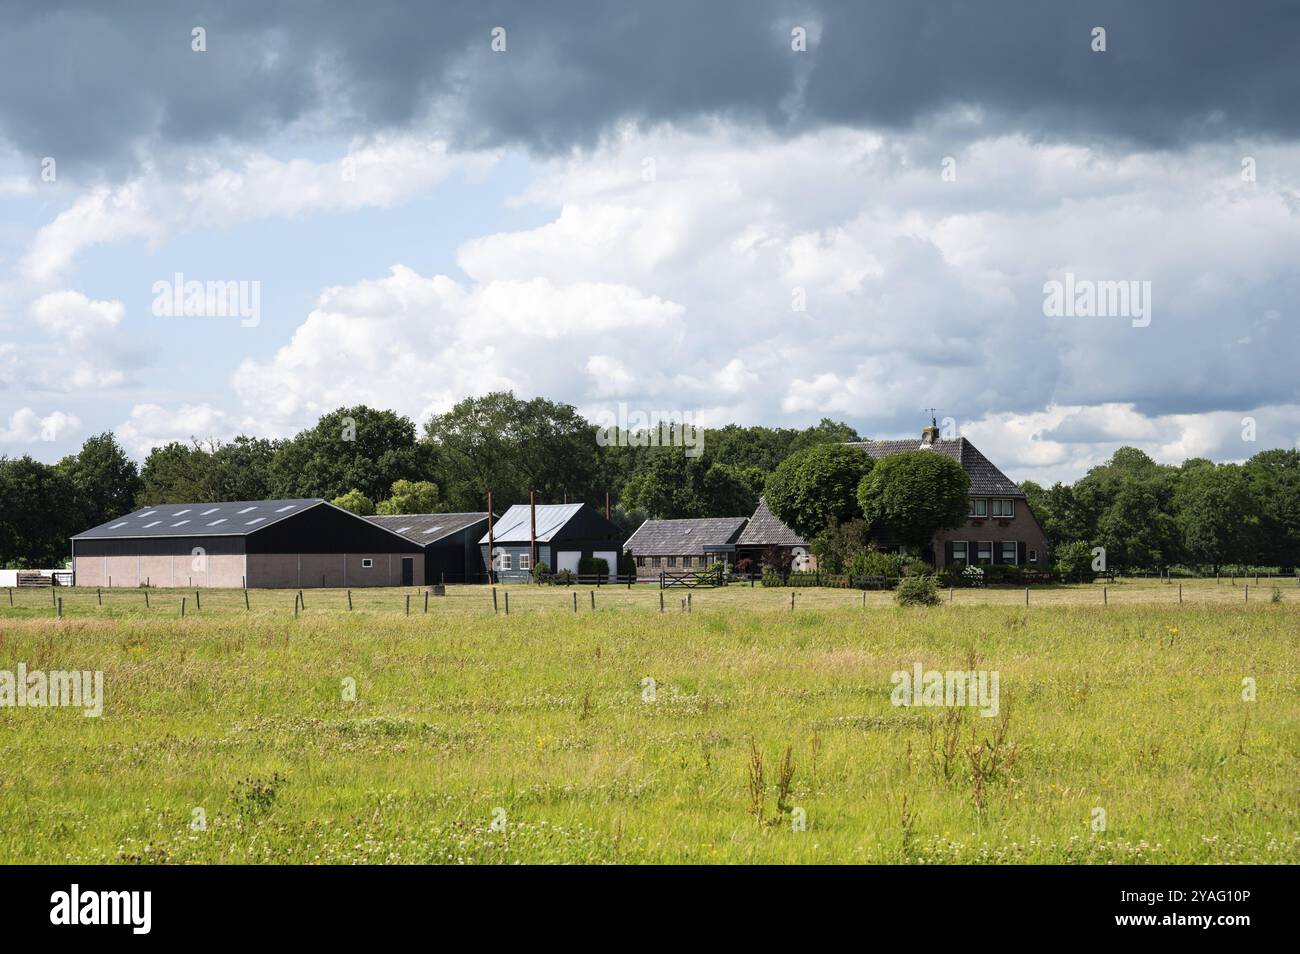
(540, 722)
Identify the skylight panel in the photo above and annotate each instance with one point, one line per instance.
(402, 529)
(247, 509)
(181, 513)
(217, 521)
(283, 509)
(433, 530)
(119, 524)
(254, 520)
(154, 524)
(148, 513)
(181, 523)
(209, 510)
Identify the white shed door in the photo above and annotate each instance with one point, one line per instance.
(610, 557)
(568, 560)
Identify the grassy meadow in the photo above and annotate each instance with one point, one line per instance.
(227, 736)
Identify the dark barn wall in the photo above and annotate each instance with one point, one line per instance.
(325, 529)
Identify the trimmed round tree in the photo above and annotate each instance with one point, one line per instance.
(916, 494)
(815, 486)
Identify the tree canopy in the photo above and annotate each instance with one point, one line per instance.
(817, 485)
(916, 494)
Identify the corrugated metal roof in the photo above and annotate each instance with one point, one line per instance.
(985, 478)
(425, 528)
(765, 530)
(515, 524)
(231, 519)
(683, 537)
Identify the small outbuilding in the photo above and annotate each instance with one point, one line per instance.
(255, 543)
(565, 535)
(449, 541)
(767, 536)
(684, 546)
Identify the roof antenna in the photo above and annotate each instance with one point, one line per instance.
(934, 421)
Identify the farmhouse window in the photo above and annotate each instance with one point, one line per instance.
(640, 561)
(1009, 551)
(655, 560)
(367, 563)
(1033, 556)
(960, 551)
(979, 507)
(686, 561)
(672, 561)
(1003, 508)
(523, 560)
(984, 552)
(505, 561)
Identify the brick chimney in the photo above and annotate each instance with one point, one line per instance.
(930, 434)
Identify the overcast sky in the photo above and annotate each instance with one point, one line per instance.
(665, 205)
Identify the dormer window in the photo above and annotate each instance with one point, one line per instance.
(1003, 508)
(979, 507)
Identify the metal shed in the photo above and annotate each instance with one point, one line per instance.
(566, 534)
(449, 542)
(295, 543)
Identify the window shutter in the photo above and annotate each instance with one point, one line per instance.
(1020, 552)
(947, 553)
(997, 551)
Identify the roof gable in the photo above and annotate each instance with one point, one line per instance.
(985, 478)
(426, 528)
(765, 530)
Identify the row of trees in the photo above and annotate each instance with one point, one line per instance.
(1149, 516)
(1145, 515)
(377, 461)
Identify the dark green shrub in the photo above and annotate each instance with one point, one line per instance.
(917, 591)
(593, 566)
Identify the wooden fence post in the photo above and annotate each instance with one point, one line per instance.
(349, 601)
(182, 607)
(99, 596)
(408, 604)
(688, 602)
(303, 601)
(1105, 599)
(245, 598)
(661, 601)
(494, 599)
(58, 606)
(426, 601)
(593, 599)
(198, 604)
(792, 599)
(575, 601)
(146, 599)
(1180, 592)
(1026, 596)
(507, 602)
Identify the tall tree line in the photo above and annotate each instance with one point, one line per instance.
(1146, 515)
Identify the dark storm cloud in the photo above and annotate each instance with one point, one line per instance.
(100, 82)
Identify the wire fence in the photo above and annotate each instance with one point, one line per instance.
(159, 603)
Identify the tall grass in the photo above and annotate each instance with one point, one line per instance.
(462, 717)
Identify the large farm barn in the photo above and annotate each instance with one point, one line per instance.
(255, 543)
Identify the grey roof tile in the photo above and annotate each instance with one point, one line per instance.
(684, 537)
(985, 478)
(765, 530)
